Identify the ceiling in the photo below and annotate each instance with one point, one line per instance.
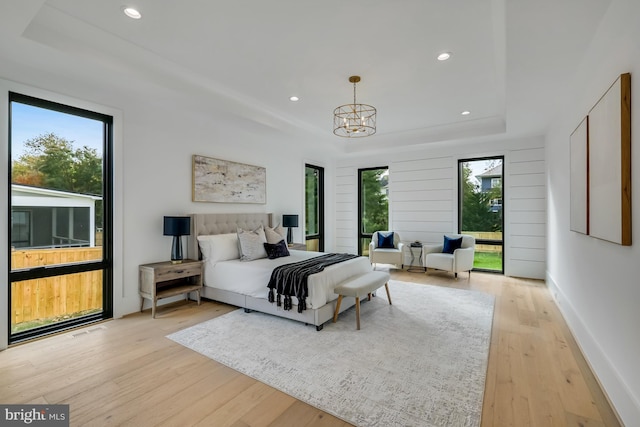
(511, 59)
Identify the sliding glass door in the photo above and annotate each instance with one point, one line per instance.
(60, 209)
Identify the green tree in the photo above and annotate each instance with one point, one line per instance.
(311, 199)
(24, 172)
(88, 172)
(375, 203)
(52, 162)
(476, 214)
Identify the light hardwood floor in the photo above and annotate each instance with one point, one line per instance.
(125, 372)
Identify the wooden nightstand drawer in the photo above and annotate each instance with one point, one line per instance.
(176, 271)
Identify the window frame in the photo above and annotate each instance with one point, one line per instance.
(490, 242)
(320, 202)
(106, 263)
(361, 234)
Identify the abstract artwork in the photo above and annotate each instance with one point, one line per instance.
(222, 181)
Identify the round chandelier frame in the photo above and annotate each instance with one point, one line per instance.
(354, 120)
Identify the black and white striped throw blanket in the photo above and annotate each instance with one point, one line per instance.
(290, 280)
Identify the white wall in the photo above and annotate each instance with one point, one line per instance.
(423, 198)
(596, 283)
(158, 178)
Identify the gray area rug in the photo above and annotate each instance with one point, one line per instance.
(419, 362)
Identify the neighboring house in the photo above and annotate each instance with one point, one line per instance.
(49, 218)
(490, 179)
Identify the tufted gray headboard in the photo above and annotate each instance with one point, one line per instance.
(207, 224)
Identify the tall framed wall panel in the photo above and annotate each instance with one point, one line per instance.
(579, 197)
(609, 164)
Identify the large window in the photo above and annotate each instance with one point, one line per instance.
(314, 208)
(373, 206)
(60, 209)
(481, 209)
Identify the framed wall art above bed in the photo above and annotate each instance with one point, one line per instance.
(223, 181)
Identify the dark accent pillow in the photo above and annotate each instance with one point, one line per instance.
(451, 244)
(385, 240)
(276, 250)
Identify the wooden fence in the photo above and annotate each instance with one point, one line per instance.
(487, 236)
(55, 297)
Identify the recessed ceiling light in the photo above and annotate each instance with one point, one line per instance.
(466, 113)
(132, 13)
(444, 56)
(294, 98)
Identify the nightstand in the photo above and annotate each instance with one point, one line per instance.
(297, 246)
(165, 279)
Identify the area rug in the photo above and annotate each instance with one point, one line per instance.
(419, 362)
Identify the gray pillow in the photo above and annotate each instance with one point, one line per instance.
(275, 234)
(251, 244)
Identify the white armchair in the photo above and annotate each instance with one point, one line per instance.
(460, 260)
(386, 255)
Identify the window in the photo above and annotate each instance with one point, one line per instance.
(314, 208)
(60, 202)
(20, 229)
(480, 210)
(373, 207)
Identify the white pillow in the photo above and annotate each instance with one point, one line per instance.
(219, 247)
(275, 234)
(251, 244)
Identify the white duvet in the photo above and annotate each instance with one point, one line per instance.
(251, 277)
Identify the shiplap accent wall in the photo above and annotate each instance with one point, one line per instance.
(423, 198)
(346, 209)
(526, 213)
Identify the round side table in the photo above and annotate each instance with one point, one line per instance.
(416, 249)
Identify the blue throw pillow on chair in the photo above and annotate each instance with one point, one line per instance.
(385, 240)
(451, 244)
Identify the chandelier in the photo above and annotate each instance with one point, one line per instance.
(354, 120)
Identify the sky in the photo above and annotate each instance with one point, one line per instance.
(28, 122)
(480, 166)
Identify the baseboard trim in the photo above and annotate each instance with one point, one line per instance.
(624, 403)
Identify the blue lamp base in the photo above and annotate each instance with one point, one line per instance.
(176, 250)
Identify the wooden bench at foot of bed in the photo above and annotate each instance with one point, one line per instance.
(360, 286)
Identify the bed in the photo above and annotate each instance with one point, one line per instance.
(230, 280)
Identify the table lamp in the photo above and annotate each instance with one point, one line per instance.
(289, 221)
(177, 226)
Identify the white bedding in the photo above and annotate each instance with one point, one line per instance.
(251, 277)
